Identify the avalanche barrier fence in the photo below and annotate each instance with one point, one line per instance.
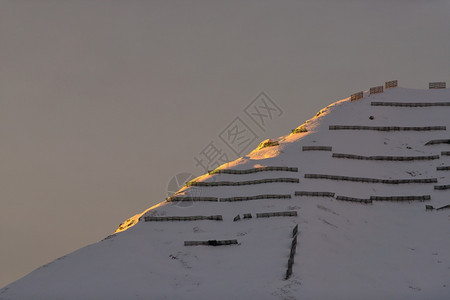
(351, 199)
(194, 199)
(370, 180)
(292, 253)
(385, 128)
(385, 158)
(317, 148)
(211, 243)
(443, 168)
(314, 194)
(254, 170)
(442, 187)
(410, 104)
(186, 218)
(401, 198)
(266, 196)
(239, 183)
(436, 142)
(277, 214)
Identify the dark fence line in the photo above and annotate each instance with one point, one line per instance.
(445, 153)
(386, 158)
(292, 253)
(195, 199)
(255, 170)
(442, 187)
(443, 207)
(370, 180)
(317, 148)
(391, 84)
(443, 168)
(356, 96)
(277, 214)
(231, 199)
(401, 198)
(211, 243)
(295, 231)
(430, 207)
(435, 142)
(187, 218)
(314, 194)
(239, 183)
(351, 199)
(376, 90)
(246, 216)
(266, 196)
(436, 85)
(385, 128)
(410, 104)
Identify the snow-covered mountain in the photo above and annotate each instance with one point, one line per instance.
(356, 180)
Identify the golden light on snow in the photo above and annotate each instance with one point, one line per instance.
(264, 153)
(134, 219)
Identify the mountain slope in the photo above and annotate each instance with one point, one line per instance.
(353, 249)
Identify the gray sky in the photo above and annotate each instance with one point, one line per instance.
(103, 102)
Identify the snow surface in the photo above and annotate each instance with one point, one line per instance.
(390, 250)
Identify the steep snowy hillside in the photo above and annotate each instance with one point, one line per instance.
(355, 179)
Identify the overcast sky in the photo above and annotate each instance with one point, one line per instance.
(103, 102)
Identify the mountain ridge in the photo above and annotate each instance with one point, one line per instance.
(388, 245)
